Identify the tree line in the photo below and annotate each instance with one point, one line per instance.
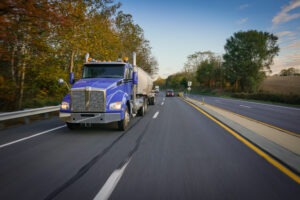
(42, 40)
(289, 72)
(246, 62)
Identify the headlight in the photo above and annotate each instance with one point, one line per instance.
(65, 106)
(115, 106)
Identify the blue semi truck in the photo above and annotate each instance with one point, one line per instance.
(107, 92)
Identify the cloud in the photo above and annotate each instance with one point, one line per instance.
(284, 15)
(293, 45)
(244, 6)
(294, 57)
(285, 33)
(242, 21)
(286, 61)
(286, 37)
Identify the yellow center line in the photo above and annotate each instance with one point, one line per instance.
(271, 160)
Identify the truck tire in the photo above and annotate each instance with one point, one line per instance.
(123, 124)
(152, 101)
(143, 109)
(72, 126)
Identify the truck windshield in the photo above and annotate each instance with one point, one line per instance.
(103, 71)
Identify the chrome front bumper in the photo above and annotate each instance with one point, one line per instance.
(92, 118)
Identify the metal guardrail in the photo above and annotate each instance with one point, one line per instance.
(27, 113)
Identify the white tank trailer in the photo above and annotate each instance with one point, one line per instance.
(145, 82)
(144, 85)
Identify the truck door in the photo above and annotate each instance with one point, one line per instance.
(128, 81)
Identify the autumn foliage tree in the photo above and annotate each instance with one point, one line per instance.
(42, 40)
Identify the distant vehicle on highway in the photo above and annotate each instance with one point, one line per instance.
(157, 89)
(170, 93)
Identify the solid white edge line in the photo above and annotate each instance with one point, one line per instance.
(111, 183)
(29, 137)
(155, 115)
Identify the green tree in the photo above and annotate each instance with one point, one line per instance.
(209, 72)
(247, 56)
(193, 61)
(176, 81)
(184, 82)
(288, 72)
(197, 70)
(160, 82)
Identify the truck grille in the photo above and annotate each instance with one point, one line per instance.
(87, 100)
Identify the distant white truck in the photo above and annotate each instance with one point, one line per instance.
(156, 89)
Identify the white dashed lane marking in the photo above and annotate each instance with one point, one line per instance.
(155, 115)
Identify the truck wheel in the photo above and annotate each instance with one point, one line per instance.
(143, 109)
(72, 126)
(122, 125)
(152, 101)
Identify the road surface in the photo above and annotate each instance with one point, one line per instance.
(281, 116)
(173, 152)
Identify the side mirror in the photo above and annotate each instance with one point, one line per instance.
(62, 81)
(134, 78)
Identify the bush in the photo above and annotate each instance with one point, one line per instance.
(38, 103)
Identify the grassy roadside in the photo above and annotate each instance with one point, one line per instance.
(262, 97)
(282, 90)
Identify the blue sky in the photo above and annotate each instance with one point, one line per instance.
(177, 29)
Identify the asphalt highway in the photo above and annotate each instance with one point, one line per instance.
(284, 117)
(173, 152)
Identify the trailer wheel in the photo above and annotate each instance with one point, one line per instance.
(122, 125)
(152, 101)
(143, 109)
(149, 101)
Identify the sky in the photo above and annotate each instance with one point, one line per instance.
(179, 28)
